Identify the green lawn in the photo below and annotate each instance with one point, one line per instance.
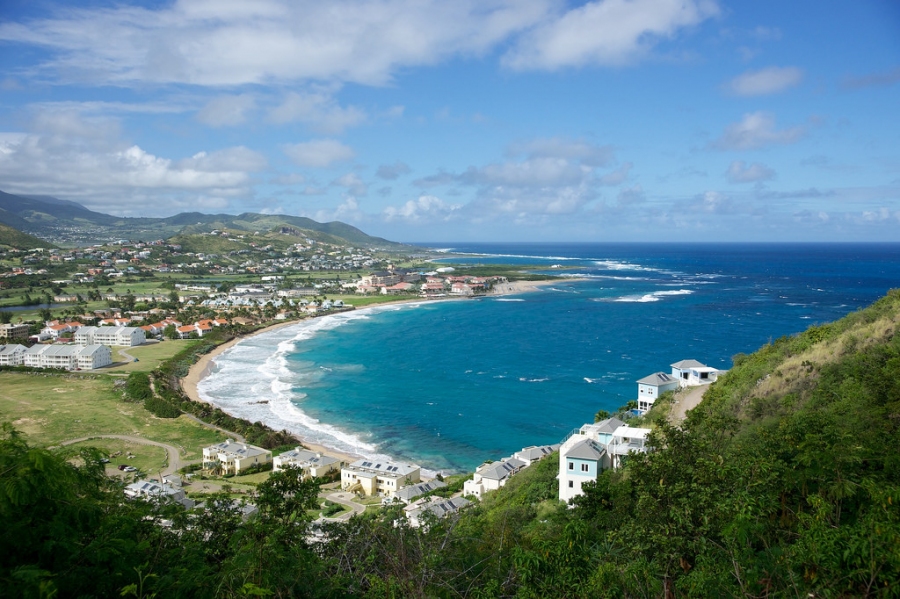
(149, 355)
(51, 408)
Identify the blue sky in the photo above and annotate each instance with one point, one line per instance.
(422, 120)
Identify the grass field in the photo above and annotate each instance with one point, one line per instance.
(149, 355)
(49, 409)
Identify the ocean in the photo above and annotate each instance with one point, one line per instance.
(450, 384)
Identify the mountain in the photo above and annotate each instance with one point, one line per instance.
(69, 223)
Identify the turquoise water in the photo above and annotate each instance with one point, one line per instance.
(450, 384)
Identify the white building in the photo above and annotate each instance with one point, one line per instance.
(12, 355)
(313, 464)
(124, 336)
(594, 448)
(439, 506)
(232, 457)
(151, 490)
(68, 357)
(652, 386)
(491, 476)
(374, 477)
(691, 373)
(534, 453)
(408, 494)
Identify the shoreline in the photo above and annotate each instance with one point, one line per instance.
(203, 367)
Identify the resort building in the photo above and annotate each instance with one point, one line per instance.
(152, 490)
(231, 457)
(408, 494)
(12, 355)
(67, 357)
(373, 477)
(123, 336)
(14, 331)
(438, 506)
(594, 448)
(313, 464)
(491, 476)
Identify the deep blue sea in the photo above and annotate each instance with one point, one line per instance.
(448, 384)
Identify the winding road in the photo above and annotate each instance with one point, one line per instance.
(174, 462)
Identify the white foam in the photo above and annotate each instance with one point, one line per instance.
(508, 299)
(649, 297)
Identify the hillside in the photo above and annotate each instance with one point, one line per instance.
(71, 223)
(13, 238)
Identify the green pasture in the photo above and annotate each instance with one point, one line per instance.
(52, 408)
(149, 355)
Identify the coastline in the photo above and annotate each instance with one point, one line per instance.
(203, 367)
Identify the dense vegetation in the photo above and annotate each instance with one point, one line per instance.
(784, 482)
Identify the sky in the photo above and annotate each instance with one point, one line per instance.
(465, 120)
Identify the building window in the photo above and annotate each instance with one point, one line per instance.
(571, 465)
(584, 467)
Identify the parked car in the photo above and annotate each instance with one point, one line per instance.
(129, 469)
(123, 466)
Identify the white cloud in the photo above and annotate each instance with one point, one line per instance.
(424, 209)
(531, 172)
(766, 81)
(226, 111)
(319, 110)
(393, 171)
(352, 183)
(618, 176)
(606, 32)
(756, 130)
(234, 42)
(740, 172)
(559, 147)
(318, 152)
(631, 196)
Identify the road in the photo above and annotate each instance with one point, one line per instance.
(686, 399)
(345, 499)
(174, 461)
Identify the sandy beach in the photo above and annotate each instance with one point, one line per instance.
(203, 367)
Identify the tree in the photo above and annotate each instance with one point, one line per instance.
(5, 316)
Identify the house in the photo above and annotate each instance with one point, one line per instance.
(378, 477)
(154, 491)
(438, 506)
(652, 386)
(533, 453)
(691, 373)
(594, 448)
(12, 355)
(231, 457)
(313, 464)
(490, 476)
(407, 494)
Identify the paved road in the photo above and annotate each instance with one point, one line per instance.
(174, 462)
(347, 500)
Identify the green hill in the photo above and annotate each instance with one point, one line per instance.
(52, 218)
(13, 238)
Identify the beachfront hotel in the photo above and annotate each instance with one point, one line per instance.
(231, 457)
(378, 477)
(311, 463)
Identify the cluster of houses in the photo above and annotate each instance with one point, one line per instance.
(490, 476)
(686, 373)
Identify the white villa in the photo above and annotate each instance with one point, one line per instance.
(407, 494)
(68, 357)
(692, 373)
(490, 476)
(313, 464)
(652, 386)
(438, 506)
(594, 448)
(373, 477)
(125, 336)
(232, 457)
(152, 490)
